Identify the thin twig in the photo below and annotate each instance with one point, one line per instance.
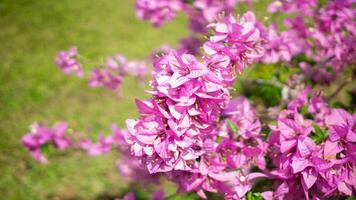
(339, 88)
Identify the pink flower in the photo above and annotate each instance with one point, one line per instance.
(239, 182)
(103, 145)
(176, 130)
(105, 78)
(157, 11)
(41, 135)
(342, 125)
(158, 195)
(131, 169)
(304, 6)
(240, 111)
(277, 46)
(212, 8)
(235, 42)
(67, 61)
(190, 45)
(113, 72)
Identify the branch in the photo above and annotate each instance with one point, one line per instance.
(339, 88)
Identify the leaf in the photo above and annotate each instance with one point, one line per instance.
(232, 126)
(304, 111)
(319, 134)
(254, 196)
(46, 148)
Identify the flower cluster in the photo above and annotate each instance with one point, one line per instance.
(304, 6)
(312, 150)
(236, 44)
(200, 13)
(111, 75)
(229, 155)
(325, 35)
(187, 99)
(157, 12)
(176, 131)
(103, 145)
(68, 62)
(41, 136)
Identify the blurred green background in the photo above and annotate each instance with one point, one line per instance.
(32, 89)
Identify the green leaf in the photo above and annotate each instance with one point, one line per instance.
(351, 198)
(319, 134)
(274, 123)
(304, 111)
(254, 196)
(232, 126)
(46, 148)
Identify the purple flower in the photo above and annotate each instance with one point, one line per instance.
(240, 111)
(158, 195)
(342, 125)
(113, 72)
(41, 135)
(277, 47)
(235, 44)
(105, 78)
(103, 145)
(157, 11)
(304, 6)
(239, 182)
(190, 45)
(137, 69)
(176, 130)
(212, 8)
(313, 170)
(67, 61)
(118, 63)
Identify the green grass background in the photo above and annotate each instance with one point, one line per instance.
(32, 89)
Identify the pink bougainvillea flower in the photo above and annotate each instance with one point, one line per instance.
(157, 12)
(342, 125)
(105, 78)
(67, 61)
(239, 40)
(112, 74)
(103, 145)
(41, 135)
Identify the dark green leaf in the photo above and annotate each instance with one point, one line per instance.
(319, 134)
